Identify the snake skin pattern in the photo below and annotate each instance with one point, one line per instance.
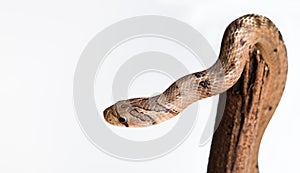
(242, 37)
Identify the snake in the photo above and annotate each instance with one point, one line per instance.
(251, 70)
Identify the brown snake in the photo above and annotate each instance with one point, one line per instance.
(252, 68)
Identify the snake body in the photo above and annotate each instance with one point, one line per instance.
(252, 68)
(239, 41)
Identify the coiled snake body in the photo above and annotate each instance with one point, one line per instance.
(252, 68)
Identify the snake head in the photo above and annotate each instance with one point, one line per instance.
(124, 114)
(113, 117)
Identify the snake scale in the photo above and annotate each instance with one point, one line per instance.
(251, 68)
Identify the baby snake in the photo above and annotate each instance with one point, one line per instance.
(252, 68)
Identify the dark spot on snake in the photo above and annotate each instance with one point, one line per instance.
(231, 41)
(242, 42)
(240, 23)
(269, 23)
(232, 65)
(251, 15)
(173, 111)
(199, 74)
(154, 122)
(204, 84)
(275, 50)
(258, 22)
(270, 108)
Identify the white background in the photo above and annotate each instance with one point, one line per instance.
(40, 44)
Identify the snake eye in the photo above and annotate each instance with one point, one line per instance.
(122, 120)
